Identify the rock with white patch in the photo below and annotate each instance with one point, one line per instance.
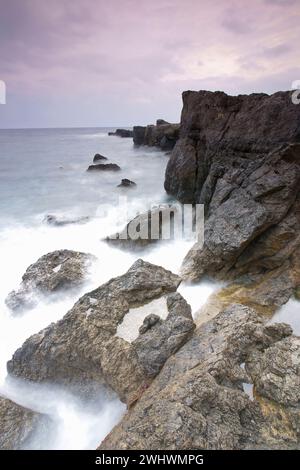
(87, 349)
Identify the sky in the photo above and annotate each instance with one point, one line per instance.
(84, 63)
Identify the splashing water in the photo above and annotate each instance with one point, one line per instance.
(39, 187)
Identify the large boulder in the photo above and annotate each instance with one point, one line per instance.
(50, 274)
(17, 425)
(98, 340)
(240, 157)
(197, 401)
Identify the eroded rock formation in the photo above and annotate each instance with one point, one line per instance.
(84, 349)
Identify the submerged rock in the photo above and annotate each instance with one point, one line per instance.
(126, 183)
(53, 272)
(98, 158)
(104, 167)
(197, 400)
(85, 349)
(59, 221)
(17, 425)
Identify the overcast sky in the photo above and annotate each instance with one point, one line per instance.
(124, 62)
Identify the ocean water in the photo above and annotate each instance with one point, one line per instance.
(43, 172)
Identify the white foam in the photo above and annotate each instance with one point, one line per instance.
(289, 313)
(129, 328)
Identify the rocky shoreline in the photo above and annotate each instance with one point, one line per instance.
(183, 379)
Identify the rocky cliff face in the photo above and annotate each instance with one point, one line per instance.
(240, 156)
(163, 135)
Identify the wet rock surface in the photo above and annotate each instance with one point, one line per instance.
(83, 351)
(52, 273)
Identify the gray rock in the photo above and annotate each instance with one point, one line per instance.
(53, 272)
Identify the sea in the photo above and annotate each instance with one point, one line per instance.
(42, 173)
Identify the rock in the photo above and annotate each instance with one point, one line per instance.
(197, 400)
(162, 122)
(147, 228)
(240, 157)
(164, 135)
(17, 424)
(276, 376)
(59, 221)
(52, 273)
(104, 167)
(98, 158)
(126, 183)
(88, 347)
(122, 133)
(139, 135)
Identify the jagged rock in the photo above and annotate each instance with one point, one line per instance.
(164, 135)
(122, 133)
(104, 167)
(53, 272)
(126, 183)
(98, 158)
(197, 400)
(147, 228)
(17, 425)
(58, 221)
(86, 348)
(240, 156)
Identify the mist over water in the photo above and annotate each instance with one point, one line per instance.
(43, 172)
